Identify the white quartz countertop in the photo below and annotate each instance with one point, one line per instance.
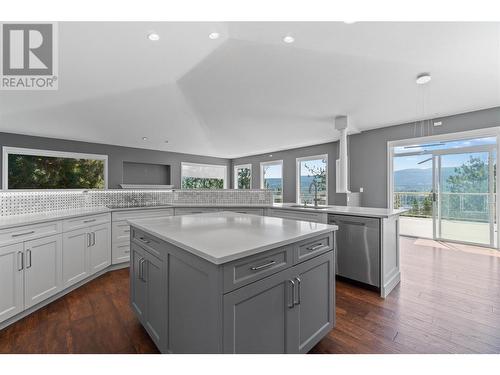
(344, 210)
(19, 220)
(221, 237)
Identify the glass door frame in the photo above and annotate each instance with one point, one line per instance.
(437, 196)
(464, 135)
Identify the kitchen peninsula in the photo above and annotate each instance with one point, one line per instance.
(227, 282)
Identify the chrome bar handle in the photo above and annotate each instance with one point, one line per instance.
(88, 240)
(256, 268)
(290, 305)
(140, 268)
(22, 234)
(315, 247)
(28, 257)
(93, 238)
(299, 281)
(89, 221)
(20, 255)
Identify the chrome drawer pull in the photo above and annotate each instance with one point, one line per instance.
(23, 234)
(89, 221)
(256, 268)
(316, 246)
(126, 251)
(144, 240)
(126, 231)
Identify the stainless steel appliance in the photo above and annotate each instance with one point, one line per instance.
(358, 248)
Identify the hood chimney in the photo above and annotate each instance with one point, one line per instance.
(341, 124)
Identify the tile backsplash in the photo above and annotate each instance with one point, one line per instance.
(28, 202)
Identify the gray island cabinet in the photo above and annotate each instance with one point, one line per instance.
(233, 283)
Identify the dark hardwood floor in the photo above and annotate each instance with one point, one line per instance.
(448, 302)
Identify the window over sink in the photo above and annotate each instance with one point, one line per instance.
(312, 170)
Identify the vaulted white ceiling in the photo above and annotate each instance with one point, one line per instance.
(248, 92)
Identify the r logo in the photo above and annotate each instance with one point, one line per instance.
(27, 50)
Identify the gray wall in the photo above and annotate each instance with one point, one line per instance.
(367, 156)
(116, 155)
(368, 150)
(289, 167)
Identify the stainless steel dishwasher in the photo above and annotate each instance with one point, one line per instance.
(358, 248)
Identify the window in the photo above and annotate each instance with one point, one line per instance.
(41, 169)
(243, 176)
(203, 176)
(271, 177)
(312, 169)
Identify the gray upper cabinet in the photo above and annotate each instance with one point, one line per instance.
(257, 317)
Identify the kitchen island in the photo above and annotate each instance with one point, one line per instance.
(227, 282)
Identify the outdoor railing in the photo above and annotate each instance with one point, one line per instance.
(454, 206)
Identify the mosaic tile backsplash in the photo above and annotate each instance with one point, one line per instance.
(29, 202)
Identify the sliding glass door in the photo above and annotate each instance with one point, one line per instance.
(448, 189)
(465, 195)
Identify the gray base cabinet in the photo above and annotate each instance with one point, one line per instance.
(189, 305)
(147, 283)
(288, 312)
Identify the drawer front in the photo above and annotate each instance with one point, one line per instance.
(194, 210)
(120, 231)
(247, 270)
(243, 210)
(29, 232)
(313, 247)
(147, 242)
(85, 221)
(317, 217)
(142, 214)
(120, 252)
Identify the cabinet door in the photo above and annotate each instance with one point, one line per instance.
(100, 247)
(314, 301)
(259, 316)
(11, 280)
(43, 269)
(138, 286)
(155, 300)
(75, 256)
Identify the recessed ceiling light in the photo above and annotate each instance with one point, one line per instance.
(289, 39)
(214, 35)
(423, 78)
(153, 36)
(144, 138)
(270, 155)
(349, 22)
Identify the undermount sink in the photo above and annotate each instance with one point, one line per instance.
(313, 207)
